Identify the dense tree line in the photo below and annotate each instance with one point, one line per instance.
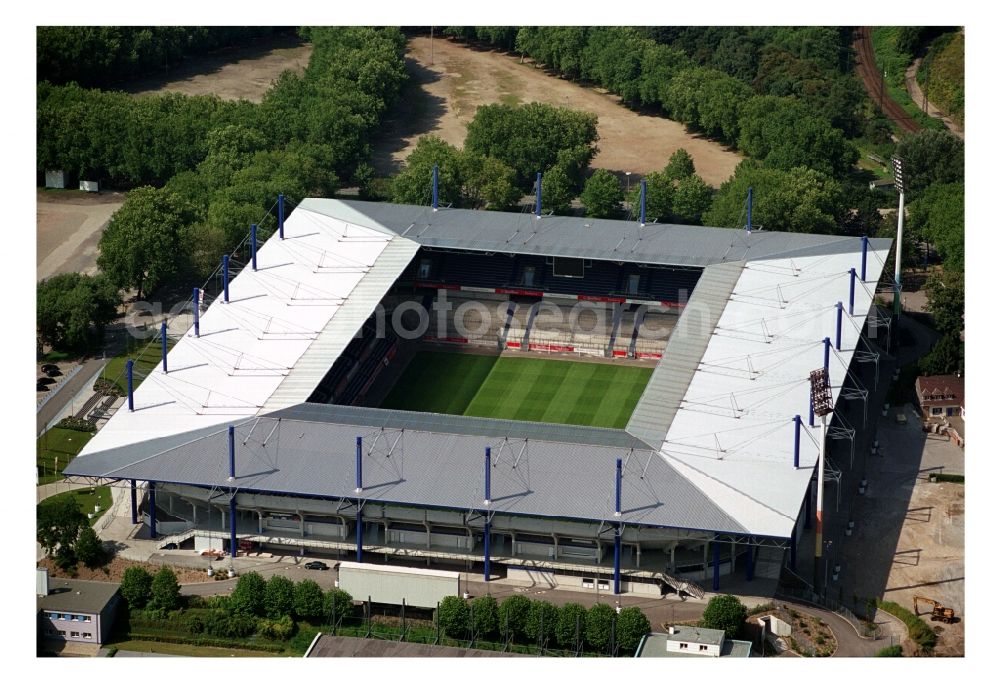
(710, 79)
(532, 622)
(223, 163)
(99, 56)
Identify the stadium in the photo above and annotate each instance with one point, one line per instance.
(611, 404)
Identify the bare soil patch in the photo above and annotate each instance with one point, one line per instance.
(442, 98)
(116, 568)
(231, 74)
(68, 230)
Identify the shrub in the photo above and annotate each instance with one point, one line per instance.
(484, 615)
(918, 630)
(136, 587)
(569, 616)
(225, 625)
(341, 601)
(166, 593)
(727, 613)
(248, 596)
(890, 651)
(89, 549)
(632, 626)
(76, 424)
(108, 387)
(308, 600)
(279, 597)
(280, 630)
(541, 621)
(598, 632)
(195, 625)
(513, 617)
(949, 478)
(453, 616)
(112, 651)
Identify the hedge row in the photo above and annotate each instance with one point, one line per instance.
(77, 424)
(948, 478)
(918, 630)
(209, 642)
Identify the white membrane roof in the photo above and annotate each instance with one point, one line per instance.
(284, 326)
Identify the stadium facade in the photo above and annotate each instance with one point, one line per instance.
(258, 426)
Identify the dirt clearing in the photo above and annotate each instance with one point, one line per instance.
(442, 98)
(68, 230)
(231, 74)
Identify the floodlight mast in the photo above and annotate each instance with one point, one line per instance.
(822, 404)
(898, 179)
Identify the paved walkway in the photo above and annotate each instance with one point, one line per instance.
(913, 88)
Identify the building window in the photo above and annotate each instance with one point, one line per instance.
(588, 583)
(53, 616)
(633, 284)
(76, 618)
(936, 410)
(86, 618)
(87, 634)
(528, 275)
(62, 633)
(74, 634)
(424, 271)
(684, 646)
(703, 647)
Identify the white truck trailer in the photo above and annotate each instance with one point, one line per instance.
(422, 588)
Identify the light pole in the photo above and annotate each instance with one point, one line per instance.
(897, 177)
(822, 405)
(628, 181)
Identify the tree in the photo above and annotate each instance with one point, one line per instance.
(602, 195)
(453, 616)
(136, 587)
(279, 597)
(484, 615)
(680, 165)
(659, 197)
(338, 604)
(938, 215)
(248, 596)
(557, 191)
(540, 625)
(89, 548)
(414, 185)
(72, 309)
(599, 619)
(726, 613)
(487, 182)
(631, 627)
(931, 156)
(946, 301)
(571, 616)
(141, 247)
(946, 356)
(308, 600)
(513, 616)
(166, 593)
(59, 523)
(692, 197)
(528, 138)
(800, 200)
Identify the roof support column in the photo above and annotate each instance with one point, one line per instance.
(359, 525)
(253, 246)
(715, 563)
(486, 526)
(152, 510)
(750, 561)
(798, 433)
(793, 553)
(618, 526)
(194, 307)
(233, 544)
(163, 343)
(281, 216)
(128, 377)
(135, 511)
(807, 524)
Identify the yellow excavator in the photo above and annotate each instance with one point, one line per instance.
(938, 611)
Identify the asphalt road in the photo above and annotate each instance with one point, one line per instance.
(53, 406)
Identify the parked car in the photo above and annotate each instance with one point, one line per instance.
(50, 369)
(41, 388)
(316, 565)
(45, 380)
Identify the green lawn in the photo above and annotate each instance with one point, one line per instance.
(147, 355)
(86, 498)
(57, 445)
(543, 390)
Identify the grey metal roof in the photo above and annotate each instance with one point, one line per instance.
(436, 469)
(443, 423)
(597, 239)
(667, 386)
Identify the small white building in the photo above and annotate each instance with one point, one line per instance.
(683, 641)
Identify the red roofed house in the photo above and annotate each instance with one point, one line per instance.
(943, 398)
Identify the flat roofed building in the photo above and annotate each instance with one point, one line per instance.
(682, 641)
(77, 610)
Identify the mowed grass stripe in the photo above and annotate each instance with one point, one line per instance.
(437, 382)
(542, 390)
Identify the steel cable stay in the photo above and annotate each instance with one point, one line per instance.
(201, 346)
(753, 292)
(160, 378)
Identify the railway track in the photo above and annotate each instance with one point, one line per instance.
(868, 70)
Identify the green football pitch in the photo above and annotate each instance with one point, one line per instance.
(514, 388)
